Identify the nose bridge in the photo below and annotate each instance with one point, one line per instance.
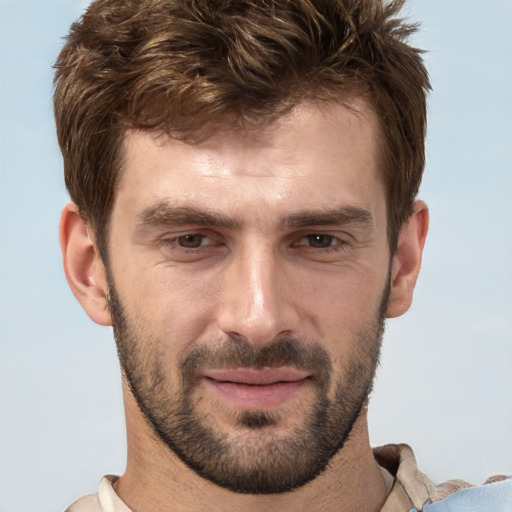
(255, 304)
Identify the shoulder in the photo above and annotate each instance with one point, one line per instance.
(88, 503)
(424, 495)
(494, 496)
(106, 499)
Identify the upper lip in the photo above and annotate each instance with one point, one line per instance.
(261, 377)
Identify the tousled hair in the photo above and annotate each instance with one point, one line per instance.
(179, 66)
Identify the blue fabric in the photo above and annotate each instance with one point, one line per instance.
(495, 497)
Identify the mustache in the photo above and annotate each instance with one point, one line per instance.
(239, 353)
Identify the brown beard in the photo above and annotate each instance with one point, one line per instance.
(260, 463)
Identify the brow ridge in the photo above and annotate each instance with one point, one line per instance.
(342, 215)
(166, 213)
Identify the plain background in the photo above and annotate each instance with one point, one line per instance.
(445, 384)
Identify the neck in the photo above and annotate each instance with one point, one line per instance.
(156, 480)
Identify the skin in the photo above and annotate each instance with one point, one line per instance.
(256, 277)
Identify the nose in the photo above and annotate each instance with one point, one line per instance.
(257, 302)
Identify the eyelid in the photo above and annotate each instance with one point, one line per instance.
(338, 245)
(333, 237)
(173, 251)
(342, 236)
(173, 239)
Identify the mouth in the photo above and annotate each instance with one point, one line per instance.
(256, 389)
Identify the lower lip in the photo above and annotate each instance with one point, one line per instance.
(254, 397)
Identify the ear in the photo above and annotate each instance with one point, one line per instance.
(83, 266)
(406, 262)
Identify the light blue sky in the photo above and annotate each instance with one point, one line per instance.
(445, 385)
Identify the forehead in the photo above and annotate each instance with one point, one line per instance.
(316, 154)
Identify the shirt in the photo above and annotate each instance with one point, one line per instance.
(411, 490)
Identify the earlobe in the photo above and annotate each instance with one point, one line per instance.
(406, 262)
(83, 267)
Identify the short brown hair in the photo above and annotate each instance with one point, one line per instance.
(175, 66)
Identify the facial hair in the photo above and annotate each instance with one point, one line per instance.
(250, 459)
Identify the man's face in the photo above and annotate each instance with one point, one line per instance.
(248, 281)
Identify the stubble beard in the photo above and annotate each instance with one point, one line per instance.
(250, 459)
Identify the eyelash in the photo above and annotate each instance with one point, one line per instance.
(175, 241)
(331, 247)
(337, 246)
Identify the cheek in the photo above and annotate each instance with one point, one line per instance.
(171, 307)
(340, 302)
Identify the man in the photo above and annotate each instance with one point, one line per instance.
(243, 177)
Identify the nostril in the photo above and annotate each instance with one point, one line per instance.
(236, 336)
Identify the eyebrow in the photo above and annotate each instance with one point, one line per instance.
(340, 216)
(165, 213)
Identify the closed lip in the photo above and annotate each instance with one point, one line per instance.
(257, 377)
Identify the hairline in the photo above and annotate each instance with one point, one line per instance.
(347, 98)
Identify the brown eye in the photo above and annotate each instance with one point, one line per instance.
(191, 241)
(320, 241)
